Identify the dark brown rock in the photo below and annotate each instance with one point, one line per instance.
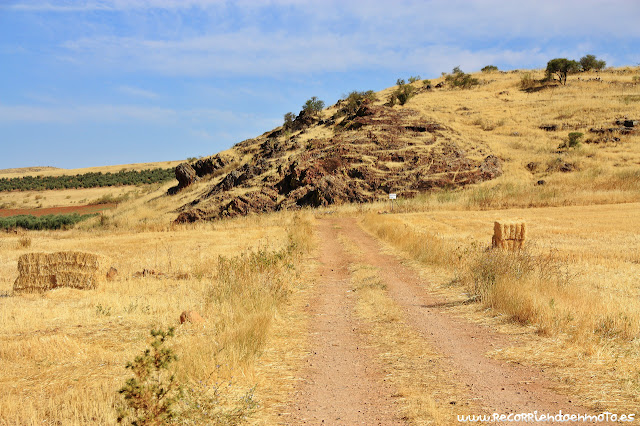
(490, 168)
(209, 165)
(191, 216)
(186, 175)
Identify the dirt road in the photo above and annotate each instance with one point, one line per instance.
(342, 383)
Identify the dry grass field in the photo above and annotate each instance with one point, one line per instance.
(66, 197)
(63, 352)
(571, 299)
(574, 290)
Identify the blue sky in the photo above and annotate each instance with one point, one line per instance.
(96, 82)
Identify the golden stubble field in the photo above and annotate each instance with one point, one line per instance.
(571, 299)
(63, 353)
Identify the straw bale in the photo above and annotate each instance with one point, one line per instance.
(42, 271)
(497, 231)
(509, 235)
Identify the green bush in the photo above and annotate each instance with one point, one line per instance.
(560, 67)
(153, 391)
(402, 94)
(573, 140)
(288, 120)
(590, 62)
(459, 79)
(313, 106)
(489, 68)
(414, 78)
(353, 101)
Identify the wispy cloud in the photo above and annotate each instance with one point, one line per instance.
(138, 92)
(311, 37)
(109, 113)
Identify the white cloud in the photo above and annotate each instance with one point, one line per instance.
(363, 35)
(138, 92)
(108, 113)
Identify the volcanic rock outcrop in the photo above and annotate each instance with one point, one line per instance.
(357, 158)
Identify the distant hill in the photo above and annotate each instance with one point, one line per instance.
(26, 171)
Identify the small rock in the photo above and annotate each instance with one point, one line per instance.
(112, 273)
(190, 316)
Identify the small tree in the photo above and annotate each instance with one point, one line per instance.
(560, 67)
(590, 62)
(458, 78)
(414, 78)
(573, 140)
(313, 106)
(354, 100)
(489, 68)
(152, 392)
(402, 94)
(288, 120)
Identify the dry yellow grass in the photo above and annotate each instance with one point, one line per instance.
(577, 288)
(63, 353)
(65, 197)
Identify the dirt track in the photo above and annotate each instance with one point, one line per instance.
(342, 383)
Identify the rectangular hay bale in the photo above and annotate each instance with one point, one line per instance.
(42, 271)
(509, 235)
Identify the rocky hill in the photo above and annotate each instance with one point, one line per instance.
(361, 157)
(512, 126)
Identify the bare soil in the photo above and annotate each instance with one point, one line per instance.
(85, 209)
(341, 382)
(341, 385)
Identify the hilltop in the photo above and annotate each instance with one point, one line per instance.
(509, 129)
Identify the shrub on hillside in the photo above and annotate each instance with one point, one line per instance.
(489, 68)
(590, 62)
(351, 102)
(288, 120)
(527, 82)
(313, 106)
(573, 140)
(459, 79)
(402, 94)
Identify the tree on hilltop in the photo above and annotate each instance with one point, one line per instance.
(560, 67)
(590, 62)
(313, 106)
